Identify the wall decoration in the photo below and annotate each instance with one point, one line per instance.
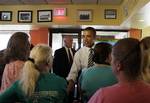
(5, 15)
(25, 16)
(110, 14)
(59, 11)
(84, 15)
(44, 15)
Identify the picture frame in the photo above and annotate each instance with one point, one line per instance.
(5, 15)
(25, 16)
(84, 15)
(44, 15)
(110, 14)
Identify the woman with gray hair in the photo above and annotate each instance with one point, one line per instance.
(37, 85)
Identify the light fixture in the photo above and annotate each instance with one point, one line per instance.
(59, 12)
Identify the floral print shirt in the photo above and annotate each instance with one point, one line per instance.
(11, 73)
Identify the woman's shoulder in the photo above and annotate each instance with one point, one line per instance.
(56, 77)
(15, 63)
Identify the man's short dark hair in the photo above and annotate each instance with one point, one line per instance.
(91, 29)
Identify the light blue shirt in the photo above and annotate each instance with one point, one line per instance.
(94, 78)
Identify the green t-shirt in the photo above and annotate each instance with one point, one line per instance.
(49, 89)
(96, 77)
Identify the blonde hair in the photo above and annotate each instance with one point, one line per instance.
(40, 55)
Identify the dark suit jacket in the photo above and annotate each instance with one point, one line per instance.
(61, 65)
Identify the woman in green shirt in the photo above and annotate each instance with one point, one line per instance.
(37, 85)
(100, 75)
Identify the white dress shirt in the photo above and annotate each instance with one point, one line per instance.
(80, 61)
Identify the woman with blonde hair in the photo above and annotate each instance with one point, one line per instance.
(37, 85)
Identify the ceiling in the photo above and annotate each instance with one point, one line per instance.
(140, 19)
(32, 2)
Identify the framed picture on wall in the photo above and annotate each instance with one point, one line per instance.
(84, 15)
(44, 15)
(110, 14)
(25, 16)
(5, 15)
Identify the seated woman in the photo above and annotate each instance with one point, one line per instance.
(100, 75)
(36, 84)
(126, 64)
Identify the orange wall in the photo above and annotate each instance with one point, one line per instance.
(39, 35)
(135, 33)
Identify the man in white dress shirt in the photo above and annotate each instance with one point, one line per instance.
(81, 56)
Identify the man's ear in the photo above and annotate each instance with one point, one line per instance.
(108, 59)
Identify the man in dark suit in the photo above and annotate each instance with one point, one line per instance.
(63, 57)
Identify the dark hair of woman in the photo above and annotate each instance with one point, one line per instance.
(144, 49)
(127, 51)
(102, 51)
(18, 47)
(146, 43)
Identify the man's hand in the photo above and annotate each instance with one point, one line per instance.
(70, 87)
